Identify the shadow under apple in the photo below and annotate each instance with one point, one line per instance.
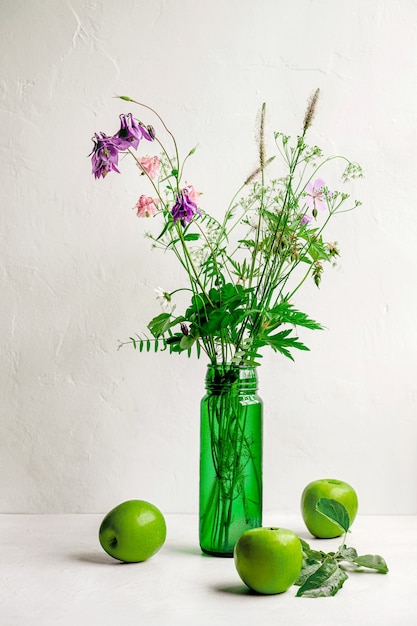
(98, 559)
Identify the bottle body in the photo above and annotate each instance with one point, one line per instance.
(230, 458)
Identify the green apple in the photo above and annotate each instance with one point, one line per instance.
(268, 560)
(342, 492)
(133, 531)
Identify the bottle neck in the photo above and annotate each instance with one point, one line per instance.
(233, 378)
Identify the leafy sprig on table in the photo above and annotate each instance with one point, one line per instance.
(323, 574)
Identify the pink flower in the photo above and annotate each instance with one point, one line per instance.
(151, 166)
(146, 206)
(315, 198)
(192, 194)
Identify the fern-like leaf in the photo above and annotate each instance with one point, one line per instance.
(282, 342)
(285, 313)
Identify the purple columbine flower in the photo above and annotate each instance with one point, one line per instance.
(105, 155)
(184, 208)
(130, 133)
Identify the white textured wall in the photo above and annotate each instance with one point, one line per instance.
(84, 426)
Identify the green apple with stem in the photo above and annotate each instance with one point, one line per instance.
(268, 560)
(133, 531)
(317, 523)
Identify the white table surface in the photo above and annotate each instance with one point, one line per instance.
(53, 571)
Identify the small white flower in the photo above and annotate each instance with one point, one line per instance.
(164, 299)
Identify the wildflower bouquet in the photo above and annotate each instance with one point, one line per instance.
(241, 272)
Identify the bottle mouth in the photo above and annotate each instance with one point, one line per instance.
(230, 367)
(228, 376)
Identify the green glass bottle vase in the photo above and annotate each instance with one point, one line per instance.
(230, 458)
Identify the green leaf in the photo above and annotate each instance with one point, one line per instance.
(318, 251)
(311, 554)
(191, 237)
(249, 243)
(334, 511)
(325, 581)
(174, 339)
(186, 342)
(285, 313)
(214, 295)
(280, 342)
(162, 323)
(248, 358)
(165, 228)
(146, 344)
(347, 554)
(372, 561)
(309, 567)
(312, 560)
(158, 324)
